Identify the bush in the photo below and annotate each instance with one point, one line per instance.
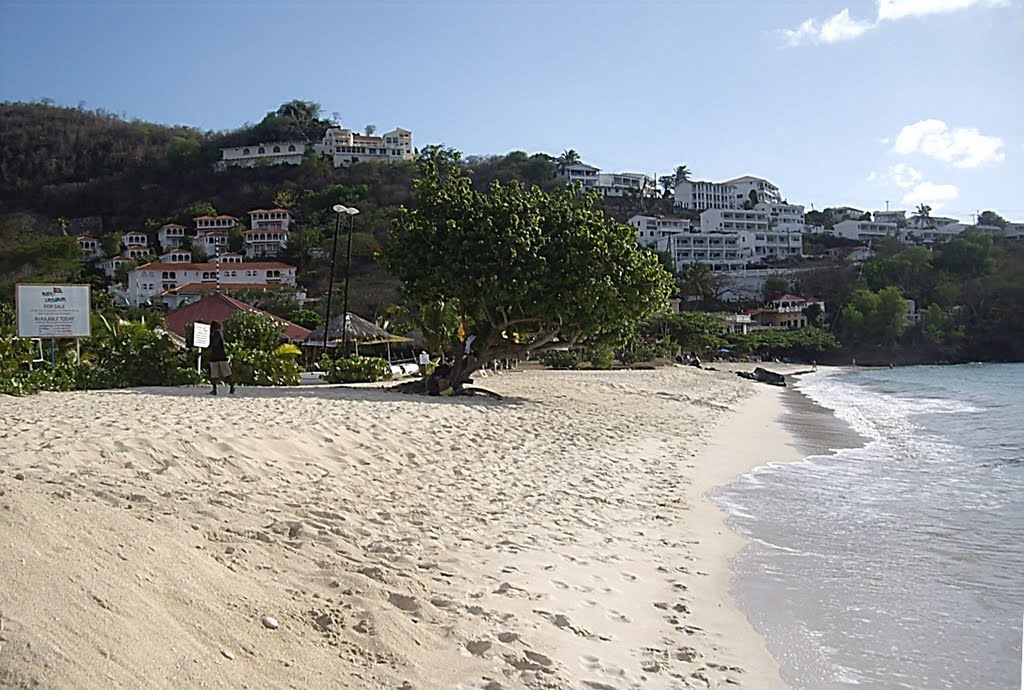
(279, 367)
(637, 353)
(356, 369)
(560, 359)
(600, 356)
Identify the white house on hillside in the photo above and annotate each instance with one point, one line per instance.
(135, 251)
(700, 195)
(765, 241)
(650, 229)
(766, 191)
(275, 218)
(624, 184)
(110, 266)
(207, 223)
(841, 213)
(865, 230)
(211, 243)
(90, 247)
(344, 147)
(264, 243)
(134, 239)
(176, 255)
(274, 153)
(578, 172)
(788, 217)
(149, 280)
(171, 235)
(889, 216)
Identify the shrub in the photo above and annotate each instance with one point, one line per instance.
(356, 369)
(600, 356)
(560, 359)
(637, 353)
(279, 367)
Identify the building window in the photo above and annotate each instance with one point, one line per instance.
(292, 147)
(245, 152)
(262, 150)
(277, 149)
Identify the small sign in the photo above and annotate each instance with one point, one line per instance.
(53, 311)
(201, 334)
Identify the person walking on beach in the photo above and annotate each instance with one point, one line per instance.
(220, 367)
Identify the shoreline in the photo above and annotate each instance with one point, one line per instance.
(751, 436)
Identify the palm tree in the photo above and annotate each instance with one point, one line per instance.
(923, 214)
(668, 185)
(682, 174)
(569, 157)
(699, 281)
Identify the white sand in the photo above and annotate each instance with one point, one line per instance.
(558, 539)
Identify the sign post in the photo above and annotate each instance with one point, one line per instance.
(201, 339)
(53, 311)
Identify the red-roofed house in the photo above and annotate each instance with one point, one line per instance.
(207, 223)
(90, 247)
(272, 219)
(346, 147)
(150, 280)
(171, 235)
(219, 307)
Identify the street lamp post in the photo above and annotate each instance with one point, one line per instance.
(338, 209)
(351, 211)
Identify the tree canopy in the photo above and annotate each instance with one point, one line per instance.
(529, 270)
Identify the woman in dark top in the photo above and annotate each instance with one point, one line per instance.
(220, 367)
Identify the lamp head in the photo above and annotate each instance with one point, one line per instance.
(338, 208)
(352, 210)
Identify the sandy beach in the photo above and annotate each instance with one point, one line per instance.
(351, 537)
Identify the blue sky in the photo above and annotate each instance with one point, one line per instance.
(851, 102)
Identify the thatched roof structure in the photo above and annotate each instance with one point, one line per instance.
(359, 331)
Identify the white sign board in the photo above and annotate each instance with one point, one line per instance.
(53, 311)
(201, 334)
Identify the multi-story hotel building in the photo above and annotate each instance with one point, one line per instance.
(149, 280)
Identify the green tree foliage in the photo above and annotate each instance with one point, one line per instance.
(969, 255)
(258, 357)
(991, 218)
(356, 369)
(568, 158)
(804, 343)
(545, 266)
(873, 318)
(775, 285)
(691, 331)
(682, 174)
(698, 281)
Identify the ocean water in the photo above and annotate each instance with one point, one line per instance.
(899, 564)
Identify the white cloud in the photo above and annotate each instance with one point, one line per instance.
(964, 147)
(891, 10)
(843, 27)
(901, 175)
(932, 194)
(840, 27)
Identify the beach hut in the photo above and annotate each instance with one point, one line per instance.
(359, 331)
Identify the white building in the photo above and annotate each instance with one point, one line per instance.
(721, 251)
(865, 230)
(148, 281)
(344, 147)
(90, 247)
(274, 153)
(134, 239)
(110, 266)
(176, 255)
(580, 172)
(766, 191)
(207, 223)
(841, 213)
(264, 243)
(701, 195)
(919, 222)
(275, 218)
(788, 217)
(934, 235)
(625, 184)
(650, 229)
(136, 251)
(171, 235)
(210, 243)
(765, 240)
(890, 216)
(229, 258)
(731, 220)
(1013, 231)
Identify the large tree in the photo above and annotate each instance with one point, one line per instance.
(923, 214)
(568, 158)
(528, 270)
(682, 174)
